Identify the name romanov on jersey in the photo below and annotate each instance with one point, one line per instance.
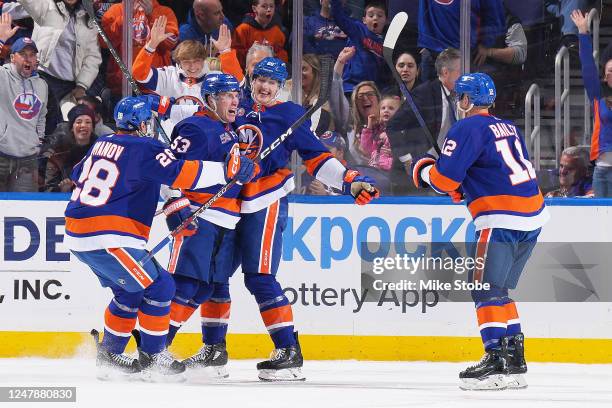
(108, 150)
(430, 285)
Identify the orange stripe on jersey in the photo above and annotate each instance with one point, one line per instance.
(177, 243)
(511, 312)
(230, 204)
(481, 253)
(125, 259)
(312, 164)
(265, 255)
(230, 64)
(215, 310)
(506, 203)
(153, 323)
(107, 223)
(596, 131)
(142, 65)
(282, 314)
(118, 324)
(188, 174)
(442, 182)
(491, 314)
(265, 183)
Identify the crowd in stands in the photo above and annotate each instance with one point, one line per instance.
(60, 81)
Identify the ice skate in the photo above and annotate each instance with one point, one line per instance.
(159, 367)
(513, 349)
(488, 374)
(210, 360)
(285, 364)
(111, 366)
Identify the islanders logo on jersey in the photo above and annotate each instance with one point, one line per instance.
(250, 140)
(27, 105)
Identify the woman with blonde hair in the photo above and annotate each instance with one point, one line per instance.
(322, 120)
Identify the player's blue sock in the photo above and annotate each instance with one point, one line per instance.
(119, 321)
(492, 322)
(182, 306)
(514, 323)
(154, 313)
(274, 308)
(215, 314)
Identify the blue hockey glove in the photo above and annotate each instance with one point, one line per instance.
(160, 104)
(360, 187)
(176, 211)
(421, 167)
(239, 167)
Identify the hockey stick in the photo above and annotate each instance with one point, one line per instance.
(393, 33)
(88, 5)
(326, 66)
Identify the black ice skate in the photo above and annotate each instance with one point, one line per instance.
(285, 364)
(513, 349)
(488, 374)
(112, 366)
(212, 358)
(160, 366)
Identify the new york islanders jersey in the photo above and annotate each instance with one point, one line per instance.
(202, 138)
(117, 190)
(258, 130)
(486, 157)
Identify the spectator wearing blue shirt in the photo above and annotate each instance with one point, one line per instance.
(366, 37)
(321, 33)
(203, 23)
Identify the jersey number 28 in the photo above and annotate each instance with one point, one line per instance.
(98, 182)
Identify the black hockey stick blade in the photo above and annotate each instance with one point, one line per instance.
(88, 5)
(395, 29)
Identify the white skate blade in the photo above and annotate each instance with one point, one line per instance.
(515, 381)
(208, 373)
(106, 373)
(495, 382)
(157, 377)
(287, 374)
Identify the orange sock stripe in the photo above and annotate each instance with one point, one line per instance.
(118, 324)
(490, 314)
(154, 323)
(511, 312)
(177, 312)
(215, 310)
(282, 314)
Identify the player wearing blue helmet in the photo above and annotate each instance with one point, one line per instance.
(201, 258)
(108, 219)
(484, 160)
(264, 207)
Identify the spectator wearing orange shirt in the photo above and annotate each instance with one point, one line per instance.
(145, 14)
(262, 28)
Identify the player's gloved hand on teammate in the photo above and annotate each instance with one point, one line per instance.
(160, 104)
(239, 167)
(176, 211)
(360, 187)
(420, 171)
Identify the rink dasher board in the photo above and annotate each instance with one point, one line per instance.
(321, 250)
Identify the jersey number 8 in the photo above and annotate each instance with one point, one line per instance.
(98, 182)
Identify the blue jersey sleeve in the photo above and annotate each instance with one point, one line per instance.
(188, 141)
(461, 149)
(589, 70)
(351, 27)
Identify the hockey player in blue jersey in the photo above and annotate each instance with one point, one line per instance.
(202, 264)
(264, 207)
(108, 219)
(484, 159)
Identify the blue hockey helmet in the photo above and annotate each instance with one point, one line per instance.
(218, 82)
(273, 68)
(131, 111)
(478, 87)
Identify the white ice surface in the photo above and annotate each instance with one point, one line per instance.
(329, 384)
